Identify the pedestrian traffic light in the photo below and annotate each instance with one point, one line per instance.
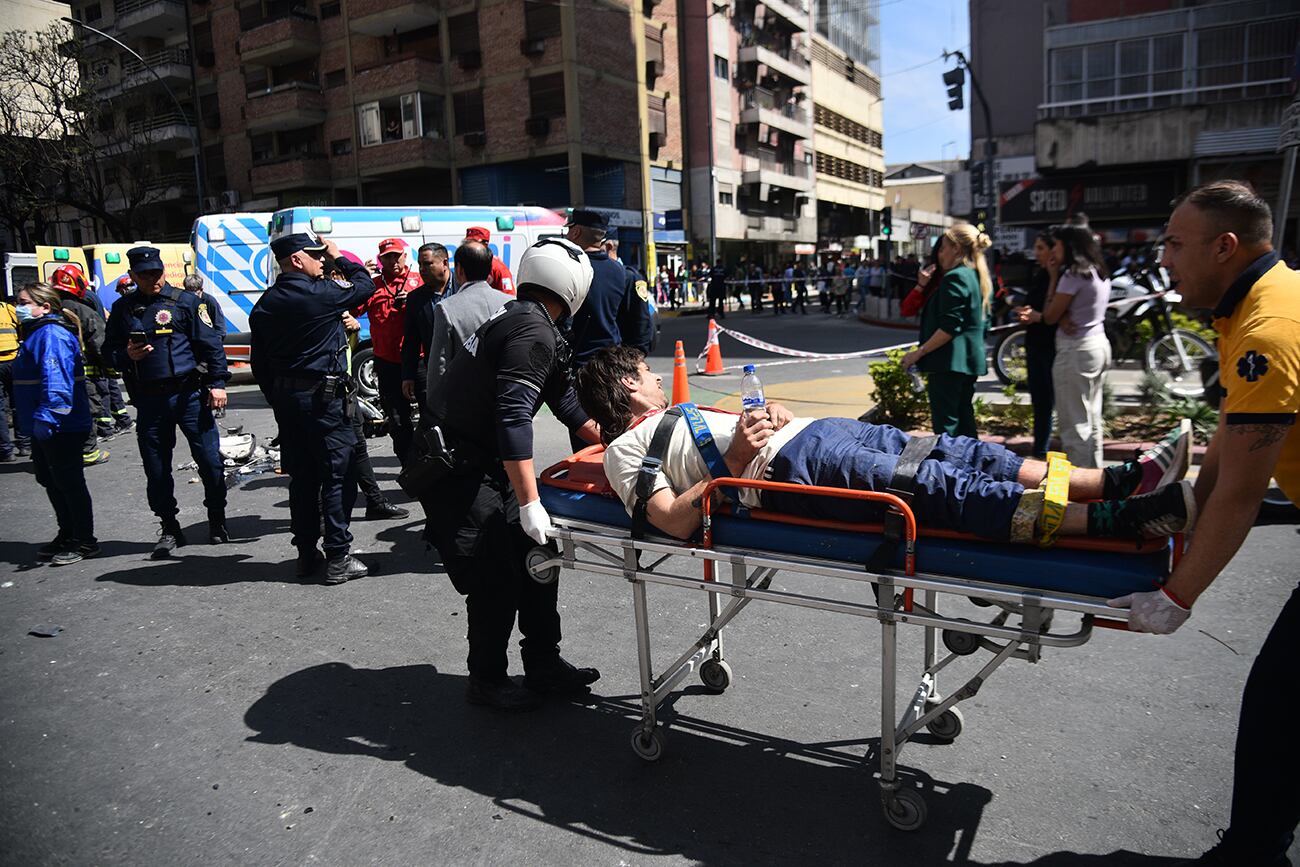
(887, 222)
(955, 79)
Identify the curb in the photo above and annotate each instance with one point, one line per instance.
(1112, 450)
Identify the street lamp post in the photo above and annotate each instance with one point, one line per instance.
(194, 135)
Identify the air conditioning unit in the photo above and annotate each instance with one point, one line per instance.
(652, 3)
(532, 47)
(537, 126)
(653, 69)
(230, 199)
(656, 140)
(470, 59)
(211, 204)
(474, 139)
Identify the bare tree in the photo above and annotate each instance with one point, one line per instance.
(71, 145)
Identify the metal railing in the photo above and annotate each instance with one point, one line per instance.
(168, 56)
(126, 7)
(159, 121)
(762, 98)
(307, 86)
(784, 50)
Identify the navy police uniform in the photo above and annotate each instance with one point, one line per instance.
(617, 310)
(299, 356)
(514, 363)
(169, 388)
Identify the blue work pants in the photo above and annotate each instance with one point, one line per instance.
(158, 417)
(965, 485)
(60, 471)
(318, 451)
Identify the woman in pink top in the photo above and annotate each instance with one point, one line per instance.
(1078, 304)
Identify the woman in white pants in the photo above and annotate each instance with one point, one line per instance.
(1078, 306)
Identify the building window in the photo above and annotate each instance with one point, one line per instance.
(423, 43)
(721, 68)
(330, 10)
(93, 12)
(541, 19)
(463, 32)
(467, 106)
(546, 95)
(341, 147)
(397, 118)
(726, 194)
(336, 78)
(263, 147)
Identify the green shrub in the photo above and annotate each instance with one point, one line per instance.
(1145, 330)
(895, 401)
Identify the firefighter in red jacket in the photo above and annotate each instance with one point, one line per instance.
(386, 310)
(500, 278)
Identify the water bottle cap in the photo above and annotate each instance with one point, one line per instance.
(749, 368)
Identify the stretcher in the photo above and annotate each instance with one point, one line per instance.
(898, 578)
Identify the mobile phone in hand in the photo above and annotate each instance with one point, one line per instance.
(139, 338)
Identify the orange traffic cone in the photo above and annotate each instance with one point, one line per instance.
(713, 364)
(681, 388)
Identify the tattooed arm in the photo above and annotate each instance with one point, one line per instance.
(1245, 461)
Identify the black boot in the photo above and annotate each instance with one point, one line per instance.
(504, 694)
(308, 563)
(557, 676)
(384, 508)
(217, 532)
(346, 568)
(170, 538)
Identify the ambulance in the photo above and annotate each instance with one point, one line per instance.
(358, 231)
(232, 253)
(104, 264)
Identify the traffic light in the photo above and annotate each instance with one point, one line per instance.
(887, 222)
(955, 79)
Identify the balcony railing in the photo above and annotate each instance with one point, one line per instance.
(764, 99)
(140, 128)
(781, 48)
(168, 56)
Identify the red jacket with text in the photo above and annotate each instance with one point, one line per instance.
(388, 315)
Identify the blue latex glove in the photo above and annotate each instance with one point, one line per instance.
(42, 429)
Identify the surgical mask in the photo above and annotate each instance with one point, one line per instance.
(24, 313)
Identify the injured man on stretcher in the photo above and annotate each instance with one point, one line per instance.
(959, 483)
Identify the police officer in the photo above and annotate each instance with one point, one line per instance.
(299, 356)
(487, 514)
(158, 336)
(617, 311)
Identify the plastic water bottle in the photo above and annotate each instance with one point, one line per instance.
(918, 384)
(751, 391)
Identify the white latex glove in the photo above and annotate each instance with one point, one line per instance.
(535, 521)
(1156, 611)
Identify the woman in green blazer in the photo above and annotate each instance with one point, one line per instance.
(953, 323)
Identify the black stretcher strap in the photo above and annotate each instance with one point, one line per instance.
(901, 484)
(650, 467)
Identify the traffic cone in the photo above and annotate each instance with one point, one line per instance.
(713, 364)
(681, 388)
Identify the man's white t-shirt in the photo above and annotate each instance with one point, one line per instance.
(683, 467)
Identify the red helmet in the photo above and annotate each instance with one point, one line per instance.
(67, 278)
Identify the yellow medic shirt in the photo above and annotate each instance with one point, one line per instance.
(1258, 322)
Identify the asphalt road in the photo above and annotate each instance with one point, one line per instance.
(212, 710)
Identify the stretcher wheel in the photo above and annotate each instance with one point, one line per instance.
(649, 746)
(904, 809)
(533, 561)
(961, 643)
(716, 674)
(946, 726)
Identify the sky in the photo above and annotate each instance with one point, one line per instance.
(918, 124)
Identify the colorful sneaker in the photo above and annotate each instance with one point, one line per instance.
(45, 553)
(1168, 461)
(1172, 509)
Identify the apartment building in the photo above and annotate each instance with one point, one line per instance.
(1112, 108)
(376, 102)
(848, 123)
(150, 136)
(749, 129)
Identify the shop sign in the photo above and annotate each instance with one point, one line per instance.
(1040, 201)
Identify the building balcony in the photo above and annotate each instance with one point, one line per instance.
(794, 12)
(294, 105)
(156, 18)
(386, 17)
(294, 172)
(172, 65)
(770, 173)
(761, 106)
(392, 77)
(170, 187)
(400, 156)
(171, 130)
(788, 229)
(291, 37)
(786, 62)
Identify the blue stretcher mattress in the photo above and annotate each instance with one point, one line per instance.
(1098, 573)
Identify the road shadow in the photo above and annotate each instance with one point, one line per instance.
(23, 554)
(720, 795)
(201, 571)
(1118, 858)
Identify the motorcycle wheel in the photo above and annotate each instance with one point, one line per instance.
(1010, 362)
(1162, 360)
(363, 370)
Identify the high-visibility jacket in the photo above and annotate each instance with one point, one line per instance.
(8, 332)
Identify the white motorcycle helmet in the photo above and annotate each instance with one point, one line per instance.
(559, 266)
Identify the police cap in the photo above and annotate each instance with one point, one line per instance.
(286, 246)
(145, 259)
(589, 219)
